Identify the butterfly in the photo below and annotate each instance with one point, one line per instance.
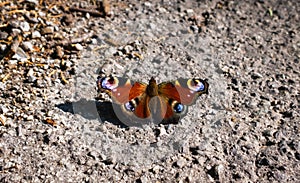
(162, 103)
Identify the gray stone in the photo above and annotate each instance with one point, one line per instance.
(35, 34)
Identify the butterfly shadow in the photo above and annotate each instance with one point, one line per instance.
(91, 109)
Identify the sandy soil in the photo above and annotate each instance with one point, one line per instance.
(57, 128)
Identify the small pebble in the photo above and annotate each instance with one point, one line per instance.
(162, 131)
(3, 35)
(20, 55)
(3, 109)
(256, 75)
(181, 162)
(147, 4)
(189, 12)
(36, 2)
(78, 47)
(127, 49)
(19, 130)
(31, 79)
(27, 45)
(30, 72)
(25, 27)
(16, 31)
(194, 28)
(162, 10)
(156, 169)
(48, 30)
(36, 34)
(3, 47)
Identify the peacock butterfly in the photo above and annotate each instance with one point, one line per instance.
(160, 103)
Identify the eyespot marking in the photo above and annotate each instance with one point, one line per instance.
(196, 85)
(129, 106)
(109, 83)
(178, 108)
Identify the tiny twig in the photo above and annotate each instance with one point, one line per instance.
(50, 122)
(4, 3)
(91, 12)
(83, 38)
(5, 77)
(106, 7)
(63, 78)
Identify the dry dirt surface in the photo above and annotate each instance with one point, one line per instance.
(56, 127)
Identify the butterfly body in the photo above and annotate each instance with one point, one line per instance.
(160, 103)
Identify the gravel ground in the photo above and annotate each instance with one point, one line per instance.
(55, 127)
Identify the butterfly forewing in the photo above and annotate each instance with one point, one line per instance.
(168, 90)
(120, 94)
(137, 90)
(188, 94)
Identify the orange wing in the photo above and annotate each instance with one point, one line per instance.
(126, 91)
(168, 94)
(167, 110)
(169, 90)
(177, 95)
(137, 90)
(120, 94)
(142, 107)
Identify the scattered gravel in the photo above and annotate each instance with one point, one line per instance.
(54, 126)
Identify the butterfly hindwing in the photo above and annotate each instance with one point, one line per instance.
(170, 96)
(179, 94)
(142, 108)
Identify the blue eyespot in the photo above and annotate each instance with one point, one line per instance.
(129, 106)
(109, 83)
(200, 86)
(196, 85)
(178, 108)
